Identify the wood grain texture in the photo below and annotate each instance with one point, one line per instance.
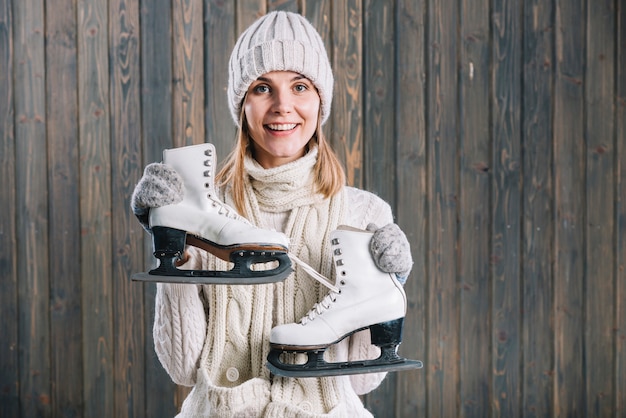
(64, 209)
(9, 301)
(188, 72)
(319, 13)
(247, 11)
(411, 201)
(620, 273)
(346, 119)
(600, 229)
(286, 5)
(538, 206)
(126, 165)
(442, 150)
(569, 192)
(505, 259)
(32, 209)
(218, 44)
(474, 208)
(378, 73)
(95, 208)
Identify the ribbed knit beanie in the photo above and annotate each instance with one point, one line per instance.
(279, 41)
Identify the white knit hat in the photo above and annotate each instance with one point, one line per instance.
(279, 41)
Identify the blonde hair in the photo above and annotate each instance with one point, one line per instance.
(329, 175)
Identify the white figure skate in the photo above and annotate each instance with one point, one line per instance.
(365, 298)
(203, 221)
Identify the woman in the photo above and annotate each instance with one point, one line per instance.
(282, 176)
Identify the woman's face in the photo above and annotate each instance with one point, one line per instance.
(281, 109)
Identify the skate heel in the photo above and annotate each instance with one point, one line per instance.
(387, 333)
(168, 245)
(168, 242)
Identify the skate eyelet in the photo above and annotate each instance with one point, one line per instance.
(208, 152)
(207, 173)
(338, 251)
(339, 262)
(335, 241)
(207, 163)
(343, 282)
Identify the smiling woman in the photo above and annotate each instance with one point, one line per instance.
(283, 176)
(281, 111)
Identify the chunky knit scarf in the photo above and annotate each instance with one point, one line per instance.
(282, 188)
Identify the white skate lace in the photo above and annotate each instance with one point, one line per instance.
(325, 303)
(319, 307)
(225, 210)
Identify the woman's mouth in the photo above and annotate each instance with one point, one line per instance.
(281, 126)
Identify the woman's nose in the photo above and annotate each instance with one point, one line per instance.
(282, 101)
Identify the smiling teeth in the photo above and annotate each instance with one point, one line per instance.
(281, 127)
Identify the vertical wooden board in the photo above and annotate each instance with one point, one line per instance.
(286, 5)
(9, 378)
(63, 165)
(346, 117)
(620, 149)
(126, 165)
(95, 208)
(247, 11)
(442, 153)
(32, 209)
(378, 138)
(538, 206)
(378, 73)
(157, 82)
(319, 13)
(411, 201)
(474, 209)
(600, 183)
(156, 117)
(188, 92)
(569, 192)
(505, 207)
(219, 41)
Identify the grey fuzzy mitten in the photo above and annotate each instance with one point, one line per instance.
(160, 185)
(391, 250)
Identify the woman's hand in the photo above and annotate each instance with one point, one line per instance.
(391, 250)
(160, 185)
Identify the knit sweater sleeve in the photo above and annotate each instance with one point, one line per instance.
(179, 329)
(365, 208)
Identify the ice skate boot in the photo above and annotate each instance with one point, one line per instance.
(365, 297)
(203, 221)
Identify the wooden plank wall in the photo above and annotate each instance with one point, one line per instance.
(495, 128)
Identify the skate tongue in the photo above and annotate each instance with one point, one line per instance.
(311, 272)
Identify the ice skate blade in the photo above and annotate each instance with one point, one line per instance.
(230, 279)
(341, 369)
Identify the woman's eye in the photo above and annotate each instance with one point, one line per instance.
(262, 88)
(301, 88)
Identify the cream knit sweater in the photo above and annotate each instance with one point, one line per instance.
(216, 338)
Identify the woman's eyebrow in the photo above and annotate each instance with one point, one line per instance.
(269, 80)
